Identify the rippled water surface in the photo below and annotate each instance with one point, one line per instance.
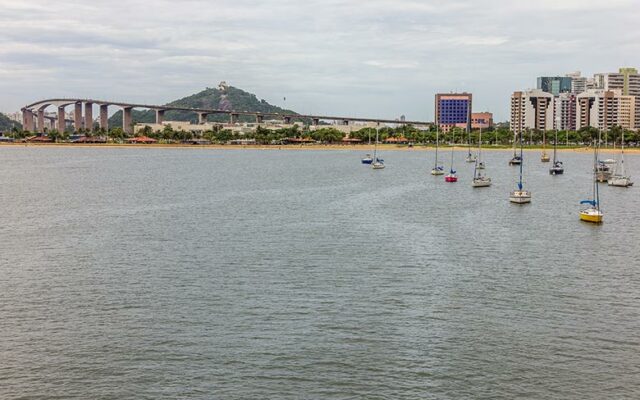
(248, 274)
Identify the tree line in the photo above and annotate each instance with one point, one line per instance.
(501, 135)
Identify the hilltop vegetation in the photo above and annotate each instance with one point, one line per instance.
(210, 98)
(7, 124)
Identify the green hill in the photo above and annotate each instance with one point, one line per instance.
(6, 124)
(210, 98)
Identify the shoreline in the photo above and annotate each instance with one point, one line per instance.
(348, 147)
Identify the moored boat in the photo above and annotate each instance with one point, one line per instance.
(378, 163)
(479, 178)
(520, 196)
(451, 176)
(593, 213)
(619, 178)
(437, 168)
(558, 167)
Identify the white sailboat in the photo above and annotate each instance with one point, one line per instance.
(437, 169)
(451, 176)
(479, 178)
(368, 159)
(558, 167)
(470, 157)
(515, 160)
(545, 157)
(378, 163)
(520, 196)
(619, 178)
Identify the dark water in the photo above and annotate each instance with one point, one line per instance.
(200, 274)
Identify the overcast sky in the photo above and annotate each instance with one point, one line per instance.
(376, 58)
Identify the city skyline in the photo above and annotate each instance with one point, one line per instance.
(383, 59)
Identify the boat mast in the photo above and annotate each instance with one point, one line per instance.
(622, 154)
(479, 159)
(596, 192)
(375, 146)
(555, 146)
(453, 139)
(521, 162)
(468, 127)
(437, 142)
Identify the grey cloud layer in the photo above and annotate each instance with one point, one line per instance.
(379, 57)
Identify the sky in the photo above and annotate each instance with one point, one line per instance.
(375, 58)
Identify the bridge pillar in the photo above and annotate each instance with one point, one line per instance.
(233, 118)
(316, 121)
(259, 118)
(104, 116)
(126, 120)
(202, 118)
(88, 116)
(27, 120)
(287, 120)
(77, 116)
(159, 116)
(41, 120)
(345, 122)
(61, 121)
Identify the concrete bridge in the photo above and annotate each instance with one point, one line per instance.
(33, 115)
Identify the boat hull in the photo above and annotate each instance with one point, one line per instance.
(515, 161)
(620, 181)
(556, 171)
(367, 160)
(545, 158)
(437, 172)
(481, 182)
(377, 165)
(451, 178)
(591, 215)
(520, 197)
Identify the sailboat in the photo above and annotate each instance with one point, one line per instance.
(516, 159)
(619, 178)
(593, 213)
(480, 179)
(545, 157)
(451, 176)
(558, 167)
(378, 163)
(437, 168)
(367, 158)
(470, 157)
(520, 196)
(480, 164)
(603, 168)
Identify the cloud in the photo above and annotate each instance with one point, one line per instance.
(379, 58)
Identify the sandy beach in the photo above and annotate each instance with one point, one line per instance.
(350, 147)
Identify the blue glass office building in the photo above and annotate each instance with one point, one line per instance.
(453, 109)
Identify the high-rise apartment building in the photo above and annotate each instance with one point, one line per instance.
(603, 109)
(627, 80)
(453, 110)
(531, 109)
(580, 83)
(564, 112)
(554, 84)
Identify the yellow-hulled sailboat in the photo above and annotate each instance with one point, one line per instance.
(593, 213)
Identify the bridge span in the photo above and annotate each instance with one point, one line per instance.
(33, 115)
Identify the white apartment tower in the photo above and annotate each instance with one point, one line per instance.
(564, 110)
(532, 109)
(627, 82)
(603, 109)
